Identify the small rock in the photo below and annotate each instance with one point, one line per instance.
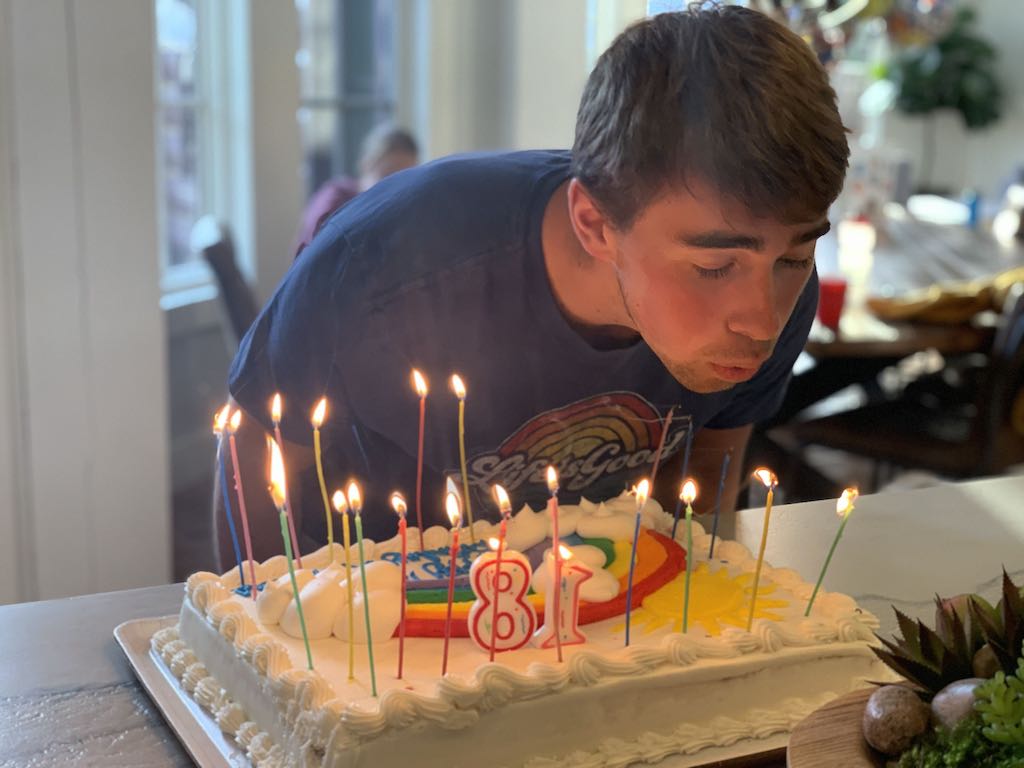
(893, 717)
(955, 702)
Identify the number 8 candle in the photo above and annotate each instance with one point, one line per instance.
(769, 479)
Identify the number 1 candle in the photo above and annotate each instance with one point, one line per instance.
(317, 420)
(398, 504)
(769, 479)
(355, 502)
(556, 570)
(451, 503)
(341, 504)
(220, 422)
(688, 494)
(459, 388)
(275, 417)
(844, 506)
(642, 490)
(277, 493)
(420, 384)
(236, 420)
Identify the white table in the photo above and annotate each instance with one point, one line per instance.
(68, 697)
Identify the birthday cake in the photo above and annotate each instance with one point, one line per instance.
(703, 693)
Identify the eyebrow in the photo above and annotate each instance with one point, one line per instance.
(722, 240)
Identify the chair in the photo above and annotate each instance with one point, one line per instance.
(969, 432)
(213, 240)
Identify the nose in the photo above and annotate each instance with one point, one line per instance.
(755, 313)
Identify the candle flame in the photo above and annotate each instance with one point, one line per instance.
(493, 543)
(643, 490)
(319, 413)
(419, 383)
(844, 506)
(355, 498)
(236, 420)
(564, 552)
(503, 501)
(458, 387)
(340, 502)
(275, 408)
(766, 476)
(552, 479)
(688, 492)
(277, 481)
(398, 504)
(454, 508)
(220, 419)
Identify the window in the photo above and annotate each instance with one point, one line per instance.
(347, 65)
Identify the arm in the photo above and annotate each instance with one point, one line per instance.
(709, 446)
(264, 524)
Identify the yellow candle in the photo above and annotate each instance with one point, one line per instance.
(460, 392)
(341, 504)
(767, 477)
(318, 419)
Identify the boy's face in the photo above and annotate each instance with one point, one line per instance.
(710, 287)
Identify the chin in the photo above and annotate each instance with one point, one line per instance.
(703, 384)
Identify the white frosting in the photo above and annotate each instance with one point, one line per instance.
(666, 693)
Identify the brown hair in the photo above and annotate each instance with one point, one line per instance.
(722, 94)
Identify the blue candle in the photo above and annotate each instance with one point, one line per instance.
(718, 500)
(682, 477)
(687, 495)
(220, 420)
(355, 501)
(642, 490)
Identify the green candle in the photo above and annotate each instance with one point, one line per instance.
(843, 508)
(277, 492)
(355, 502)
(687, 494)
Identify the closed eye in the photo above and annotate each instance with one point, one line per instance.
(713, 274)
(797, 263)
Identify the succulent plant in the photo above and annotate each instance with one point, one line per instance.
(1001, 705)
(1002, 627)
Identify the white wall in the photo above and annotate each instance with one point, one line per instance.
(84, 329)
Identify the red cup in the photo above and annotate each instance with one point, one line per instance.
(831, 294)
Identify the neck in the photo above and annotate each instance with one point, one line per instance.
(586, 289)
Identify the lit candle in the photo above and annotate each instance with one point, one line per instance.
(220, 421)
(500, 618)
(452, 507)
(317, 420)
(355, 501)
(398, 504)
(642, 491)
(844, 506)
(420, 384)
(505, 507)
(459, 388)
(769, 479)
(556, 571)
(661, 444)
(236, 420)
(686, 470)
(275, 417)
(278, 493)
(562, 604)
(341, 505)
(726, 458)
(687, 494)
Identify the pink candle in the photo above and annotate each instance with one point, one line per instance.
(661, 444)
(420, 385)
(236, 420)
(275, 416)
(453, 508)
(556, 574)
(398, 504)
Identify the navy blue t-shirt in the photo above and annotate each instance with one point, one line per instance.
(441, 268)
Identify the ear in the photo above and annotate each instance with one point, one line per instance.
(593, 228)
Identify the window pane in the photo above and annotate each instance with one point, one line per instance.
(181, 196)
(176, 49)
